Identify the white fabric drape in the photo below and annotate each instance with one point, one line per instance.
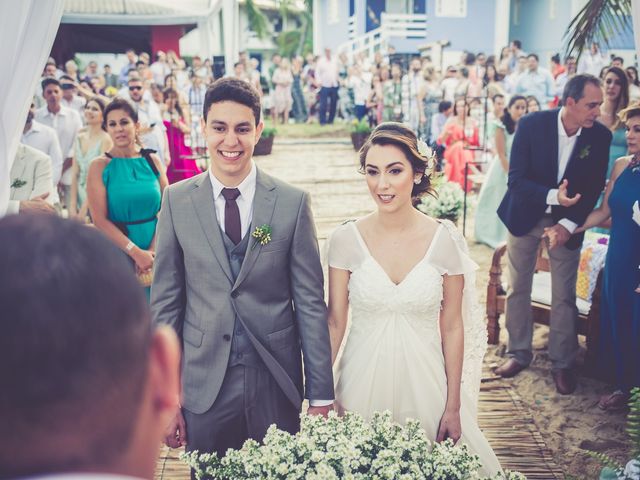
(635, 16)
(27, 31)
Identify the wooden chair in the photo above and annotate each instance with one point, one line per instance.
(588, 313)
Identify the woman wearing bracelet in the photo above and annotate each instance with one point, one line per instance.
(125, 187)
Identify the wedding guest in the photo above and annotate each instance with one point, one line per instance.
(493, 81)
(299, 104)
(489, 229)
(70, 98)
(563, 78)
(593, 60)
(282, 100)
(182, 165)
(90, 143)
(375, 101)
(171, 82)
(152, 134)
(616, 99)
(445, 109)
(556, 173)
(124, 188)
(634, 84)
(30, 181)
(392, 91)
(619, 343)
(132, 58)
(90, 394)
(536, 82)
(110, 78)
(459, 133)
(533, 105)
(326, 76)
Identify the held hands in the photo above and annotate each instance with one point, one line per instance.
(36, 205)
(556, 236)
(144, 259)
(449, 426)
(176, 432)
(323, 411)
(563, 196)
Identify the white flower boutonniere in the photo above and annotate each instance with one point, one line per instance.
(18, 182)
(262, 235)
(584, 153)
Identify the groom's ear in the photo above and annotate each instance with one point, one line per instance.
(259, 129)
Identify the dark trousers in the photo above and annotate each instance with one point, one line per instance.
(330, 95)
(249, 401)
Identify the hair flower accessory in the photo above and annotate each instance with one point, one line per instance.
(429, 156)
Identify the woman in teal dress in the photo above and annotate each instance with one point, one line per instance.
(90, 143)
(489, 229)
(619, 342)
(125, 187)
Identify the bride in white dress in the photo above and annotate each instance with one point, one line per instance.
(416, 339)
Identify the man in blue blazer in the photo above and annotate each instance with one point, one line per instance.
(557, 171)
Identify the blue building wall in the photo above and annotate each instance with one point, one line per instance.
(334, 34)
(474, 33)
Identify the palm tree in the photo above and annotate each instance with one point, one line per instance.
(598, 21)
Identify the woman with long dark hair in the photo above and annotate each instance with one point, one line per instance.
(616, 98)
(489, 229)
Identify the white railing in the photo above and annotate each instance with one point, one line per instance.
(412, 26)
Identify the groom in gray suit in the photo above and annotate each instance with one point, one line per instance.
(238, 276)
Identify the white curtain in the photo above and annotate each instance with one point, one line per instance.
(27, 31)
(635, 16)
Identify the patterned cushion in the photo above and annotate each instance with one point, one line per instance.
(592, 259)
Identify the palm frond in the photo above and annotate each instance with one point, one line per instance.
(257, 19)
(598, 21)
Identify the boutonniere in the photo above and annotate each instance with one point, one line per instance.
(262, 235)
(17, 183)
(584, 153)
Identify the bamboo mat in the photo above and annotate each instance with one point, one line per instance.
(502, 417)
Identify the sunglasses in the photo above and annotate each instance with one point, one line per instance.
(67, 86)
(131, 89)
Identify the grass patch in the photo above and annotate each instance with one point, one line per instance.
(311, 130)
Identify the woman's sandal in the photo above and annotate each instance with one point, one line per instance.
(618, 400)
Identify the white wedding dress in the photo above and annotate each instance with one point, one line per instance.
(392, 359)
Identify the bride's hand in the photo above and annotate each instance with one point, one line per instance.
(449, 426)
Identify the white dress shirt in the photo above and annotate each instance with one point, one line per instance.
(45, 139)
(244, 201)
(327, 73)
(245, 205)
(66, 123)
(566, 145)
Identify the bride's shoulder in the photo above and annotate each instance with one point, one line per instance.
(343, 232)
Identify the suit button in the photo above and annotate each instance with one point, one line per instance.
(235, 294)
(227, 337)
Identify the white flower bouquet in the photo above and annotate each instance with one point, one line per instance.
(446, 204)
(345, 447)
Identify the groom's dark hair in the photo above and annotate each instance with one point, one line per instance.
(232, 90)
(75, 340)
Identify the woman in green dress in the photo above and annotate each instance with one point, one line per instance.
(489, 229)
(124, 187)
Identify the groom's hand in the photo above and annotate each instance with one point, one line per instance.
(176, 433)
(557, 236)
(324, 411)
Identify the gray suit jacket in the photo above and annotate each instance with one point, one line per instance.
(278, 294)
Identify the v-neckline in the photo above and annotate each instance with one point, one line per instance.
(364, 246)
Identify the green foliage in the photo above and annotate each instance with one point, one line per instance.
(258, 21)
(288, 42)
(268, 132)
(360, 126)
(599, 21)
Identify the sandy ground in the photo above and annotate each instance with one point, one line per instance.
(570, 424)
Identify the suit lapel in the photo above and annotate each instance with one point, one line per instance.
(19, 166)
(202, 198)
(263, 206)
(553, 152)
(581, 141)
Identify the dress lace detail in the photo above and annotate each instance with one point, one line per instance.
(392, 357)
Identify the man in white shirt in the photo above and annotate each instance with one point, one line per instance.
(593, 61)
(536, 82)
(70, 97)
(327, 76)
(45, 139)
(160, 68)
(411, 88)
(557, 171)
(152, 131)
(66, 122)
(563, 78)
(88, 386)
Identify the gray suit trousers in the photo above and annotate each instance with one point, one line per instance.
(249, 401)
(521, 260)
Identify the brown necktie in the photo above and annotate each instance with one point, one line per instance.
(232, 215)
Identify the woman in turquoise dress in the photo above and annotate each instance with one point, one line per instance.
(90, 143)
(125, 187)
(489, 229)
(619, 343)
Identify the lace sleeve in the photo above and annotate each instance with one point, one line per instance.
(344, 251)
(450, 256)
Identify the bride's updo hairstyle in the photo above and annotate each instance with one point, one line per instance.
(401, 136)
